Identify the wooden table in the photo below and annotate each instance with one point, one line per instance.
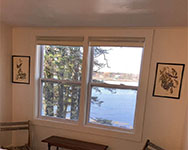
(72, 144)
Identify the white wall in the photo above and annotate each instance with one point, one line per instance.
(186, 119)
(164, 118)
(5, 78)
(186, 133)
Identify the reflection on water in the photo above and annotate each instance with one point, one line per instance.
(117, 107)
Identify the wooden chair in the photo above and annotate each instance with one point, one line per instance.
(151, 146)
(16, 126)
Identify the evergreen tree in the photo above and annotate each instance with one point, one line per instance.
(65, 63)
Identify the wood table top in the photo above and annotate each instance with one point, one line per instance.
(73, 144)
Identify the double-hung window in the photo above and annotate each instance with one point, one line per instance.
(114, 80)
(95, 83)
(60, 77)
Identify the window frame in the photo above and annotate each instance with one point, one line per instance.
(108, 85)
(81, 125)
(64, 82)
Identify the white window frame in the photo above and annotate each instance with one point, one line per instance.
(82, 125)
(116, 42)
(66, 41)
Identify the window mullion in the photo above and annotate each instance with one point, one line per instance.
(88, 98)
(84, 82)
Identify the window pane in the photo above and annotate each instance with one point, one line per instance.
(113, 107)
(61, 101)
(62, 62)
(117, 65)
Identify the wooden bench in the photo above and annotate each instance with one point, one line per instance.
(72, 144)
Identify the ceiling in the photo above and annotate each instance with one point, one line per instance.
(108, 13)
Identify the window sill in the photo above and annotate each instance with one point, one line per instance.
(91, 129)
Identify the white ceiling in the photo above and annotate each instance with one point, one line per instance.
(124, 13)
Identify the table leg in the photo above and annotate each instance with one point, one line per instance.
(49, 146)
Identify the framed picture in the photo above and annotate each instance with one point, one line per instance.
(168, 80)
(21, 69)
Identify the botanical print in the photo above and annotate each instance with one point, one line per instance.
(168, 79)
(21, 69)
(20, 75)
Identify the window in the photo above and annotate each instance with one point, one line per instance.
(97, 84)
(61, 81)
(114, 82)
(60, 76)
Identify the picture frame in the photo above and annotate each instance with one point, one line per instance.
(168, 80)
(21, 69)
